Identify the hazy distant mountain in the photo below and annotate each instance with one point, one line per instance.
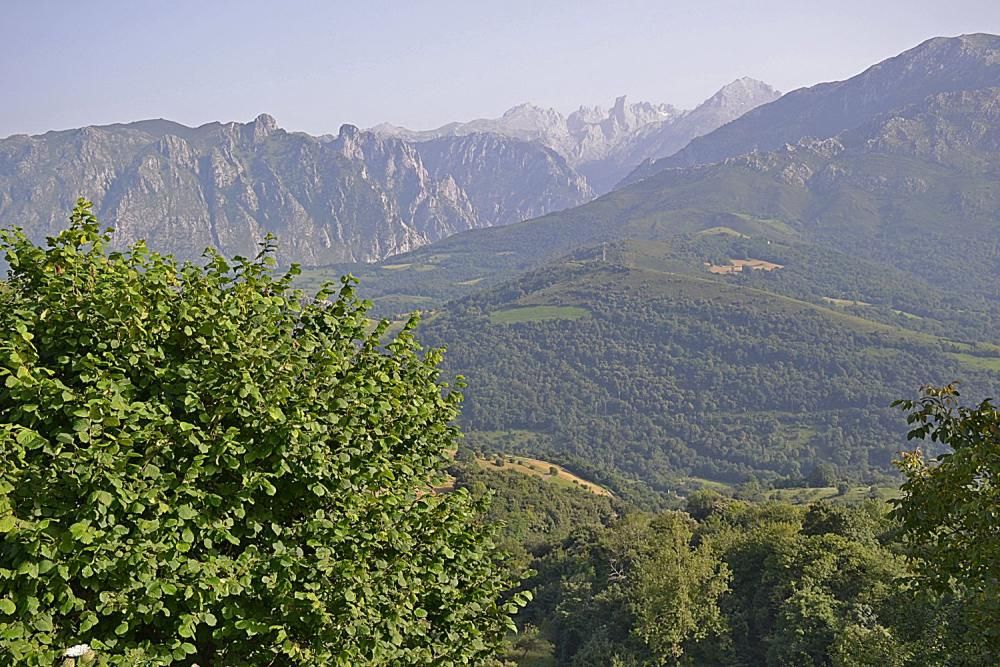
(605, 144)
(916, 190)
(586, 135)
(668, 136)
(354, 197)
(942, 64)
(532, 179)
(633, 333)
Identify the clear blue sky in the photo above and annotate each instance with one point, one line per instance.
(316, 65)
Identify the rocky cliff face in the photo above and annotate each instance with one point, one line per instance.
(602, 144)
(958, 128)
(354, 197)
(669, 135)
(506, 181)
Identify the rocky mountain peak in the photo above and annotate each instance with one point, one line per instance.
(260, 128)
(618, 109)
(532, 119)
(622, 116)
(604, 144)
(587, 114)
(348, 131)
(266, 122)
(938, 65)
(743, 92)
(526, 108)
(357, 144)
(630, 117)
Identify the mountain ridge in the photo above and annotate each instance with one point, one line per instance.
(353, 197)
(914, 189)
(605, 144)
(937, 65)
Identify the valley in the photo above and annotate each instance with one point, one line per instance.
(660, 330)
(638, 385)
(651, 375)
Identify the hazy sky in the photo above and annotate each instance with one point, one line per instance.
(316, 65)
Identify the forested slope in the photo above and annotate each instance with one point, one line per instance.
(915, 190)
(657, 375)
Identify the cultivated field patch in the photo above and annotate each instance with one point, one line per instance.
(975, 361)
(543, 469)
(741, 265)
(536, 314)
(721, 231)
(845, 302)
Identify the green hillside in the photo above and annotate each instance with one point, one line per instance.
(667, 375)
(750, 317)
(917, 191)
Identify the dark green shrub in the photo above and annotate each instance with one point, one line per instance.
(198, 464)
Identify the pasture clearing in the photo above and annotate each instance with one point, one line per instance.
(518, 314)
(739, 265)
(542, 469)
(974, 361)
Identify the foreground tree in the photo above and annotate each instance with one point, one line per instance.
(637, 593)
(197, 464)
(950, 511)
(677, 590)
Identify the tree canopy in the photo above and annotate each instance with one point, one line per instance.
(950, 507)
(200, 464)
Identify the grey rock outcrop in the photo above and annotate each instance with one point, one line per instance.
(354, 197)
(602, 144)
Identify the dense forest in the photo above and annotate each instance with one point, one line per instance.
(728, 582)
(745, 584)
(660, 376)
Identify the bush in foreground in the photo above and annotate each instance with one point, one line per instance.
(197, 464)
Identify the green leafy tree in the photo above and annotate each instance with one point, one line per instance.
(870, 645)
(677, 590)
(950, 506)
(198, 464)
(637, 592)
(823, 475)
(805, 628)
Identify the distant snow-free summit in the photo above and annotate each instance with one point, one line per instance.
(606, 144)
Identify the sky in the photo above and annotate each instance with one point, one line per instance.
(421, 63)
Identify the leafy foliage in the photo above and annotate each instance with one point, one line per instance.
(197, 463)
(677, 591)
(638, 592)
(950, 506)
(825, 586)
(671, 375)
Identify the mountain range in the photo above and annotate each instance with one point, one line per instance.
(359, 196)
(747, 306)
(606, 144)
(748, 316)
(353, 197)
(915, 188)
